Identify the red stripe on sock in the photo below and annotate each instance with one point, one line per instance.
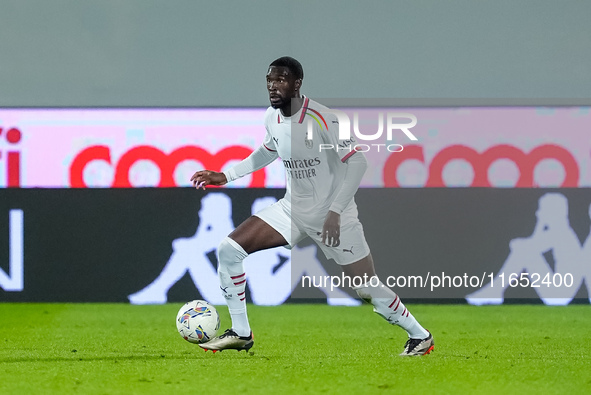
(394, 301)
(241, 293)
(407, 313)
(404, 311)
(396, 308)
(242, 300)
(235, 277)
(240, 282)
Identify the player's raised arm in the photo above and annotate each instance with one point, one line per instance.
(259, 158)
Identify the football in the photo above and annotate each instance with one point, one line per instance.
(198, 321)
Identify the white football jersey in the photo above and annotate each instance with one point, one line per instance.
(314, 167)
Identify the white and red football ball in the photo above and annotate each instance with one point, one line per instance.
(198, 321)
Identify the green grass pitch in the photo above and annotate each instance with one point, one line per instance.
(124, 349)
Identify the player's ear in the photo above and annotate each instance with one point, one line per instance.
(298, 83)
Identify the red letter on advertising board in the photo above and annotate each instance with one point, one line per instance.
(166, 163)
(481, 162)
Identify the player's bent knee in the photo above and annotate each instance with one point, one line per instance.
(230, 252)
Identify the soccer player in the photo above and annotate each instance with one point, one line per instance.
(319, 203)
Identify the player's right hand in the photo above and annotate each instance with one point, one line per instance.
(203, 178)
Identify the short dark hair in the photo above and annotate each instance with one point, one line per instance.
(293, 65)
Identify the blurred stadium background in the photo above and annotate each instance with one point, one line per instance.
(108, 107)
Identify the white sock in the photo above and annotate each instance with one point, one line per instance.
(233, 283)
(387, 304)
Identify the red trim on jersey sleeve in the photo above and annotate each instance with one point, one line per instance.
(304, 109)
(348, 156)
(278, 119)
(269, 149)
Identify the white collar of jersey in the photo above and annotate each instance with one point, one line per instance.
(298, 115)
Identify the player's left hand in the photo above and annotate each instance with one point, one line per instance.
(207, 177)
(331, 231)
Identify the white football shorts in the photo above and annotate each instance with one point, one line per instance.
(352, 248)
